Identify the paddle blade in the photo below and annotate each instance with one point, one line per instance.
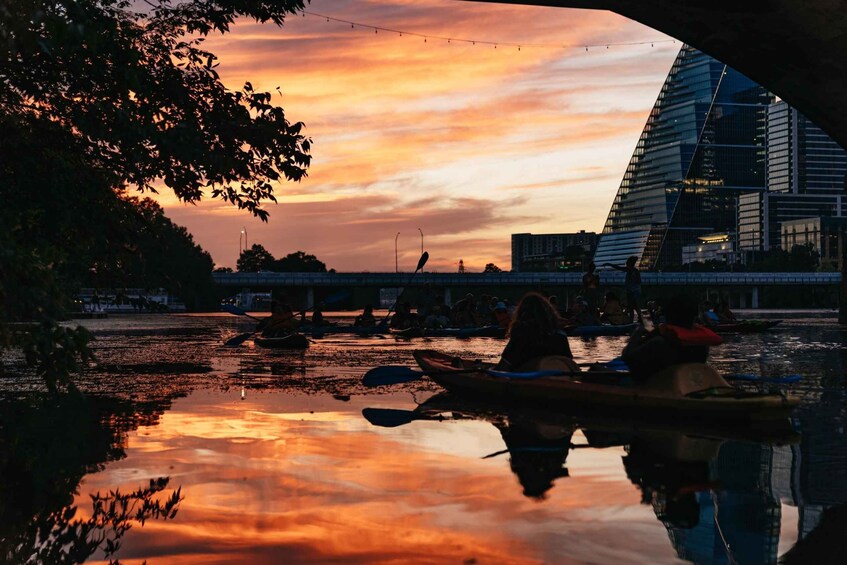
(238, 340)
(389, 375)
(424, 258)
(233, 309)
(388, 417)
(789, 379)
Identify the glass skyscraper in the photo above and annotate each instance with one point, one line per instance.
(806, 173)
(702, 146)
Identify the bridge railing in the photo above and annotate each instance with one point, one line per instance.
(608, 278)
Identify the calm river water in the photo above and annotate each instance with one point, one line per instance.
(275, 462)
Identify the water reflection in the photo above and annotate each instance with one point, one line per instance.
(276, 463)
(718, 491)
(48, 446)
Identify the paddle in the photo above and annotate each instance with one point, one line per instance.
(390, 417)
(788, 379)
(421, 262)
(396, 374)
(233, 309)
(241, 338)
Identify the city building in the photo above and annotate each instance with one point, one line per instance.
(825, 234)
(552, 252)
(703, 145)
(806, 172)
(711, 247)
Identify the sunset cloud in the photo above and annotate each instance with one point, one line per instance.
(451, 138)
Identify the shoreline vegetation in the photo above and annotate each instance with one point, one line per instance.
(100, 99)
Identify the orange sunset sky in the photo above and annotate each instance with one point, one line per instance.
(469, 143)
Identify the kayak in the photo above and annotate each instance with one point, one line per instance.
(604, 329)
(482, 331)
(746, 326)
(688, 390)
(290, 341)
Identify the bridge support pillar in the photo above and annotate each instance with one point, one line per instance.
(310, 297)
(448, 297)
(754, 297)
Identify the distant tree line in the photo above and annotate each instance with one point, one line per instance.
(800, 259)
(257, 258)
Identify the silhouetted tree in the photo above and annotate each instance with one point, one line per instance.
(255, 259)
(492, 268)
(801, 258)
(299, 262)
(97, 96)
(143, 98)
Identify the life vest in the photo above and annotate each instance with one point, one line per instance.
(695, 335)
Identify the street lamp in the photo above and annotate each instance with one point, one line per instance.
(396, 267)
(244, 233)
(420, 230)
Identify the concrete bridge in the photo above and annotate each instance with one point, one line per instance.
(744, 289)
(795, 48)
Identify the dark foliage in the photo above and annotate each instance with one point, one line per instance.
(299, 262)
(95, 98)
(255, 259)
(492, 268)
(143, 98)
(801, 258)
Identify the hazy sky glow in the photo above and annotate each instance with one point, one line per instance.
(466, 142)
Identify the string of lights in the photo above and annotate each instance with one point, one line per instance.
(495, 44)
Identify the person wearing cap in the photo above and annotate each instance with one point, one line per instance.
(501, 315)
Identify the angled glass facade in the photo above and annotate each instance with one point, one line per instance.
(703, 145)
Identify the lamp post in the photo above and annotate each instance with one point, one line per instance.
(396, 267)
(244, 233)
(420, 230)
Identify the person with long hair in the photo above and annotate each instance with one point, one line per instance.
(534, 333)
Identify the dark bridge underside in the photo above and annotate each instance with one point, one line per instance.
(795, 48)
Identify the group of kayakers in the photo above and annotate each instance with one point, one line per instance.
(536, 332)
(535, 327)
(587, 309)
(434, 314)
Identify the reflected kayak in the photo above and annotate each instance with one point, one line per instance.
(693, 390)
